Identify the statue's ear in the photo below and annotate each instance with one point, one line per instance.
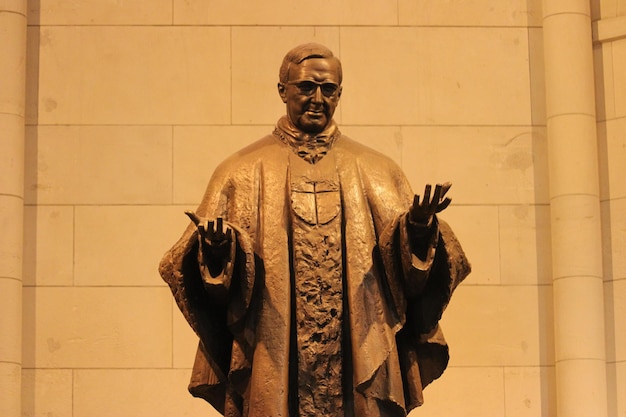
(282, 91)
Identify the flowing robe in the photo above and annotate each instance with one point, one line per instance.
(395, 290)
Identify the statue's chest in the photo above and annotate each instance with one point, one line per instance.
(316, 225)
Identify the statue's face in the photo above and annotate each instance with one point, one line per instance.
(312, 93)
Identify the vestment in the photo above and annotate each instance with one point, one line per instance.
(245, 316)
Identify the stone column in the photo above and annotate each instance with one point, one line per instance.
(575, 210)
(12, 99)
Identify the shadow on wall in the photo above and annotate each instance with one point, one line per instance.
(30, 211)
(542, 212)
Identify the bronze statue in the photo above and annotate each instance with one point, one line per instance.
(313, 276)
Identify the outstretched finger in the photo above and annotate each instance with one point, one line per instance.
(193, 216)
(444, 204)
(210, 230)
(426, 199)
(444, 188)
(219, 228)
(416, 201)
(436, 197)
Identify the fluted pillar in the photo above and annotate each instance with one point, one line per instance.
(12, 98)
(575, 210)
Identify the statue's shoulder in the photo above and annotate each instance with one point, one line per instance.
(252, 154)
(364, 155)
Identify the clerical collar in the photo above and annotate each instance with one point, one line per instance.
(307, 146)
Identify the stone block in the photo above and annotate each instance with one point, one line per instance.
(456, 393)
(486, 165)
(470, 13)
(98, 165)
(477, 230)
(430, 75)
(525, 249)
(284, 12)
(134, 75)
(11, 255)
(614, 239)
(134, 392)
(122, 245)
(529, 391)
(46, 392)
(100, 12)
(97, 327)
(48, 245)
(615, 307)
(11, 155)
(385, 139)
(500, 326)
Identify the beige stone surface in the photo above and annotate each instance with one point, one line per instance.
(384, 139)
(605, 93)
(117, 75)
(529, 392)
(100, 12)
(12, 70)
(48, 245)
(467, 392)
(13, 6)
(615, 307)
(98, 165)
(31, 96)
(577, 314)
(477, 230)
(604, 9)
(12, 155)
(431, 75)
(575, 222)
(11, 242)
(257, 53)
(614, 239)
(10, 386)
(558, 7)
(525, 250)
(619, 77)
(500, 326)
(97, 327)
(486, 165)
(612, 154)
(576, 173)
(536, 74)
(470, 13)
(197, 152)
(561, 97)
(184, 341)
(10, 321)
(47, 392)
(122, 245)
(617, 382)
(568, 374)
(136, 392)
(281, 12)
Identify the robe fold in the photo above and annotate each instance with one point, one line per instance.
(393, 296)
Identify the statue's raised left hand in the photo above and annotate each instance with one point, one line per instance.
(215, 237)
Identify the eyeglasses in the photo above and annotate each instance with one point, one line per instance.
(308, 87)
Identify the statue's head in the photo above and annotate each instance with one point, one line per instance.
(310, 86)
